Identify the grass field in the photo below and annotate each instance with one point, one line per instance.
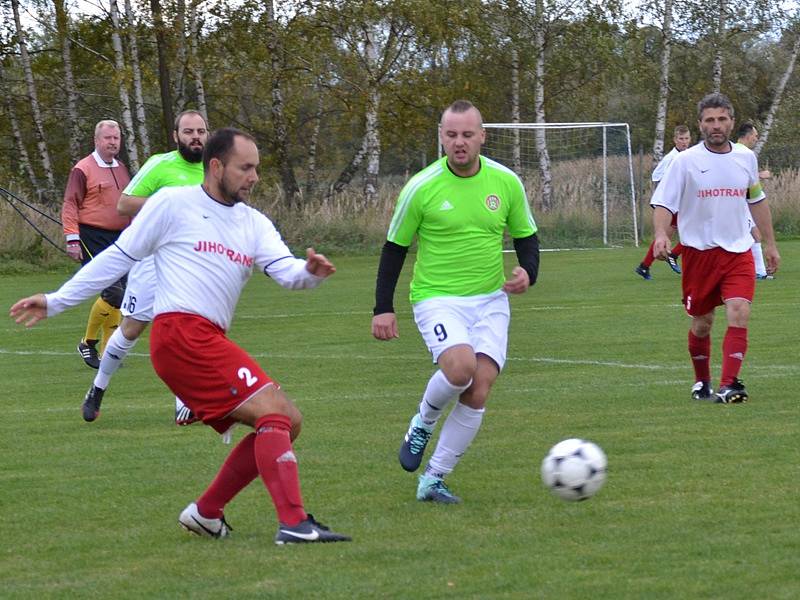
(701, 500)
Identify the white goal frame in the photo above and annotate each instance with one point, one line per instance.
(586, 125)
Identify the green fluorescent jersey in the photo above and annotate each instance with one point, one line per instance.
(164, 170)
(459, 224)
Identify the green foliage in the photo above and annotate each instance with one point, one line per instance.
(700, 502)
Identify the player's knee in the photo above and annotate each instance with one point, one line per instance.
(113, 295)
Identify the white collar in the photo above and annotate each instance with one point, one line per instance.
(101, 163)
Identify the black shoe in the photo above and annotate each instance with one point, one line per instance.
(644, 272)
(672, 261)
(733, 393)
(91, 403)
(88, 352)
(702, 391)
(308, 532)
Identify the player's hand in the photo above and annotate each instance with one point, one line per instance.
(318, 265)
(30, 310)
(74, 250)
(384, 326)
(661, 246)
(519, 282)
(765, 174)
(771, 258)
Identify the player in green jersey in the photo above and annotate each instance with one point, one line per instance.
(183, 166)
(458, 208)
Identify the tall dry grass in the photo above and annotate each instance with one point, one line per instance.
(348, 223)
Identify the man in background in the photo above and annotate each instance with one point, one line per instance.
(91, 223)
(747, 136)
(183, 166)
(682, 139)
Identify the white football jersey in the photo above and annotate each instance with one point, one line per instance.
(204, 253)
(709, 191)
(663, 165)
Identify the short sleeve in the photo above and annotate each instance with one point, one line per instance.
(150, 228)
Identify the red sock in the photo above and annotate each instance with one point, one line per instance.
(277, 466)
(700, 351)
(238, 470)
(676, 251)
(734, 347)
(649, 258)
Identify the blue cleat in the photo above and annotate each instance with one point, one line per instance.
(414, 443)
(672, 261)
(644, 272)
(433, 489)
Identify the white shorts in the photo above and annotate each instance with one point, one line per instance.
(478, 321)
(140, 293)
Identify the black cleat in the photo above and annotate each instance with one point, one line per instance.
(733, 393)
(644, 272)
(88, 352)
(91, 403)
(308, 532)
(702, 391)
(672, 261)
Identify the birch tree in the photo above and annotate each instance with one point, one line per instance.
(62, 28)
(778, 95)
(195, 64)
(122, 88)
(167, 116)
(281, 142)
(136, 72)
(33, 99)
(179, 81)
(663, 84)
(19, 144)
(542, 153)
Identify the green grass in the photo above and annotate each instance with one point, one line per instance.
(701, 500)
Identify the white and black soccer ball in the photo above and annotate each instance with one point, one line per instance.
(574, 469)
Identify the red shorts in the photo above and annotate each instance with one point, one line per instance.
(674, 222)
(712, 276)
(211, 374)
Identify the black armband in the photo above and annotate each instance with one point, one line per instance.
(392, 258)
(527, 250)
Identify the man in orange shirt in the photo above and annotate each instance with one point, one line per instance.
(91, 224)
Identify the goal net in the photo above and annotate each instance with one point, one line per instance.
(578, 178)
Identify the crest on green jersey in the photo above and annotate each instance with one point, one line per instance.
(492, 202)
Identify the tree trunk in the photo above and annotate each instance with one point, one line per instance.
(138, 98)
(346, 176)
(167, 116)
(62, 28)
(44, 154)
(719, 39)
(371, 131)
(291, 190)
(776, 99)
(538, 101)
(179, 83)
(196, 70)
(124, 98)
(663, 87)
(22, 152)
(516, 151)
(311, 170)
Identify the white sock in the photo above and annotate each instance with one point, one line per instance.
(458, 431)
(117, 349)
(437, 396)
(758, 257)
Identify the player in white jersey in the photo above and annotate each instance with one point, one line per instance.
(682, 138)
(747, 136)
(206, 243)
(715, 188)
(183, 166)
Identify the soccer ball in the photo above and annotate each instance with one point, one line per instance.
(574, 469)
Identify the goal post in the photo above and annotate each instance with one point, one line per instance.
(576, 175)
